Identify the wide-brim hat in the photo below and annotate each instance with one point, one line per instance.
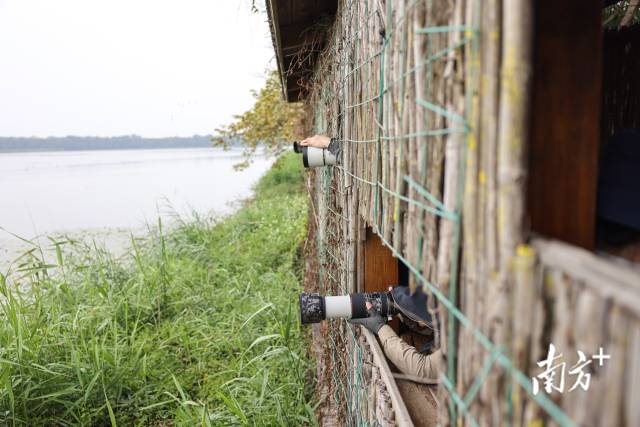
(414, 306)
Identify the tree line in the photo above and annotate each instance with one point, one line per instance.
(125, 142)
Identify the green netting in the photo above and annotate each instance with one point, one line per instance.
(333, 190)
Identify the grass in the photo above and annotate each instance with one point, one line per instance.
(197, 326)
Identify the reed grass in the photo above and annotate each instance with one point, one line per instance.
(195, 326)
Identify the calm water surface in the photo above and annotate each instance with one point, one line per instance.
(60, 191)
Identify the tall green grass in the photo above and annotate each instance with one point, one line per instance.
(197, 326)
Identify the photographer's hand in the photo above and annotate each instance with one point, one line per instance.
(373, 323)
(318, 141)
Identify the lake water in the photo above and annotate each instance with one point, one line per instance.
(47, 192)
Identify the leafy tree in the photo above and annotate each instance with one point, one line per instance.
(271, 123)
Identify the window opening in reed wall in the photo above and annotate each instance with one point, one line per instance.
(379, 268)
(563, 154)
(584, 156)
(618, 202)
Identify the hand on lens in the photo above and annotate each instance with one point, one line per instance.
(319, 141)
(373, 323)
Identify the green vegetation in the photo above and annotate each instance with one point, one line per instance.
(198, 327)
(271, 122)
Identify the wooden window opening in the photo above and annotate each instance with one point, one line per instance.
(582, 189)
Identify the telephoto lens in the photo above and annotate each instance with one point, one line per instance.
(315, 307)
(313, 157)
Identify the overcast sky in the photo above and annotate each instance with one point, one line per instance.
(113, 67)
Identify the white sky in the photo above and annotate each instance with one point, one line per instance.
(115, 67)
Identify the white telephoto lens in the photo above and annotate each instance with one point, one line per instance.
(338, 306)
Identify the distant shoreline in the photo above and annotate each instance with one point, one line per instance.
(69, 150)
(232, 150)
(90, 143)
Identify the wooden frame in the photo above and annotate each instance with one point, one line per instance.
(622, 280)
(399, 408)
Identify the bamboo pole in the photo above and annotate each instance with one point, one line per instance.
(415, 379)
(517, 19)
(401, 413)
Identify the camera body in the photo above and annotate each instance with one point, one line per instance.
(315, 307)
(313, 157)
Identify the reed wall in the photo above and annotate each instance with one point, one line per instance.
(430, 102)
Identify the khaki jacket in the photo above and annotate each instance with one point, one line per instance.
(406, 357)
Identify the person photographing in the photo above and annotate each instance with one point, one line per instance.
(318, 151)
(323, 141)
(416, 321)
